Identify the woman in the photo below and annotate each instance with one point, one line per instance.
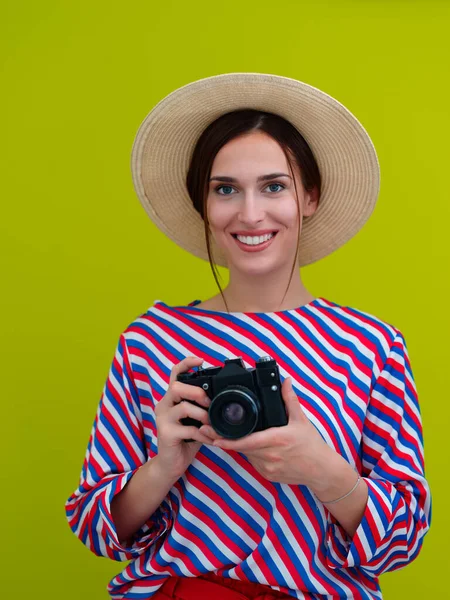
(261, 174)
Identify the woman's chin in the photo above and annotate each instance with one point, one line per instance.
(253, 264)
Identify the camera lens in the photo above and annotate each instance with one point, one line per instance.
(233, 413)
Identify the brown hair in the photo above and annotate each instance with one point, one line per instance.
(232, 125)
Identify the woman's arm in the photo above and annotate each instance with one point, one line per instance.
(397, 512)
(116, 459)
(139, 499)
(338, 479)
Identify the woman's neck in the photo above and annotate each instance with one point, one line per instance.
(247, 294)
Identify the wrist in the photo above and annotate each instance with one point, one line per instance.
(159, 474)
(337, 477)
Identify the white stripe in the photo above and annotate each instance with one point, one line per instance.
(343, 355)
(358, 320)
(189, 543)
(175, 560)
(393, 432)
(258, 351)
(265, 541)
(215, 540)
(126, 429)
(254, 568)
(115, 448)
(219, 512)
(341, 333)
(381, 495)
(316, 542)
(316, 357)
(229, 492)
(157, 358)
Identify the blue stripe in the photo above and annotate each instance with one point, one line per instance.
(327, 391)
(369, 434)
(125, 427)
(182, 548)
(274, 350)
(96, 518)
(302, 533)
(333, 355)
(208, 511)
(348, 344)
(105, 423)
(241, 482)
(193, 528)
(121, 377)
(201, 344)
(377, 324)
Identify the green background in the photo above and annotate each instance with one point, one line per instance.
(81, 260)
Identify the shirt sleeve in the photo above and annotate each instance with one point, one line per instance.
(116, 450)
(398, 512)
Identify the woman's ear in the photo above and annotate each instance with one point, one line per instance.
(311, 202)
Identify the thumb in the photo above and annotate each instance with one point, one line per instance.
(292, 402)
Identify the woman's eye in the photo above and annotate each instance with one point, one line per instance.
(227, 189)
(279, 185)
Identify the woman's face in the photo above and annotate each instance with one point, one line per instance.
(240, 200)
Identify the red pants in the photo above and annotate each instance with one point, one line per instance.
(214, 587)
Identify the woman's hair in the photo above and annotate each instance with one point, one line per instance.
(232, 125)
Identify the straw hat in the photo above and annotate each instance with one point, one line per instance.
(343, 150)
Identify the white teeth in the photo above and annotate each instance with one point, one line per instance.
(254, 241)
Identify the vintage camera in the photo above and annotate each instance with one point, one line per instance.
(242, 400)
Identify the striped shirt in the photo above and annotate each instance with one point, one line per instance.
(352, 375)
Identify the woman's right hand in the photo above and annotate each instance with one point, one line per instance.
(174, 453)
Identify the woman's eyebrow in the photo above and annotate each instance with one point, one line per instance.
(260, 178)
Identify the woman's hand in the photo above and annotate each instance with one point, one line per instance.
(295, 453)
(174, 453)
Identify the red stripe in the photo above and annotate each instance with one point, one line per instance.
(222, 504)
(206, 519)
(323, 354)
(282, 364)
(120, 435)
(339, 348)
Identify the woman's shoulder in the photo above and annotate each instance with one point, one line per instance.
(352, 321)
(145, 323)
(359, 314)
(154, 319)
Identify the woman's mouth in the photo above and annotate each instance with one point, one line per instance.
(254, 247)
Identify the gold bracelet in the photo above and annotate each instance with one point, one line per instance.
(345, 495)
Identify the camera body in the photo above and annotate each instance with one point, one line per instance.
(243, 400)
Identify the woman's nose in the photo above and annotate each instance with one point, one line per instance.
(251, 209)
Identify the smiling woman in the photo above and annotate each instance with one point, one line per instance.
(262, 174)
(252, 149)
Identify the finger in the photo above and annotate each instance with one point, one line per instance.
(254, 441)
(210, 432)
(184, 366)
(191, 432)
(179, 391)
(186, 409)
(292, 402)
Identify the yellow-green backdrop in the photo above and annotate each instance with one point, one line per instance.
(80, 258)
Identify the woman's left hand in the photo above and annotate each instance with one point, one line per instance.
(295, 453)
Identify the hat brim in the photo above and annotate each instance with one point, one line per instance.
(343, 150)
